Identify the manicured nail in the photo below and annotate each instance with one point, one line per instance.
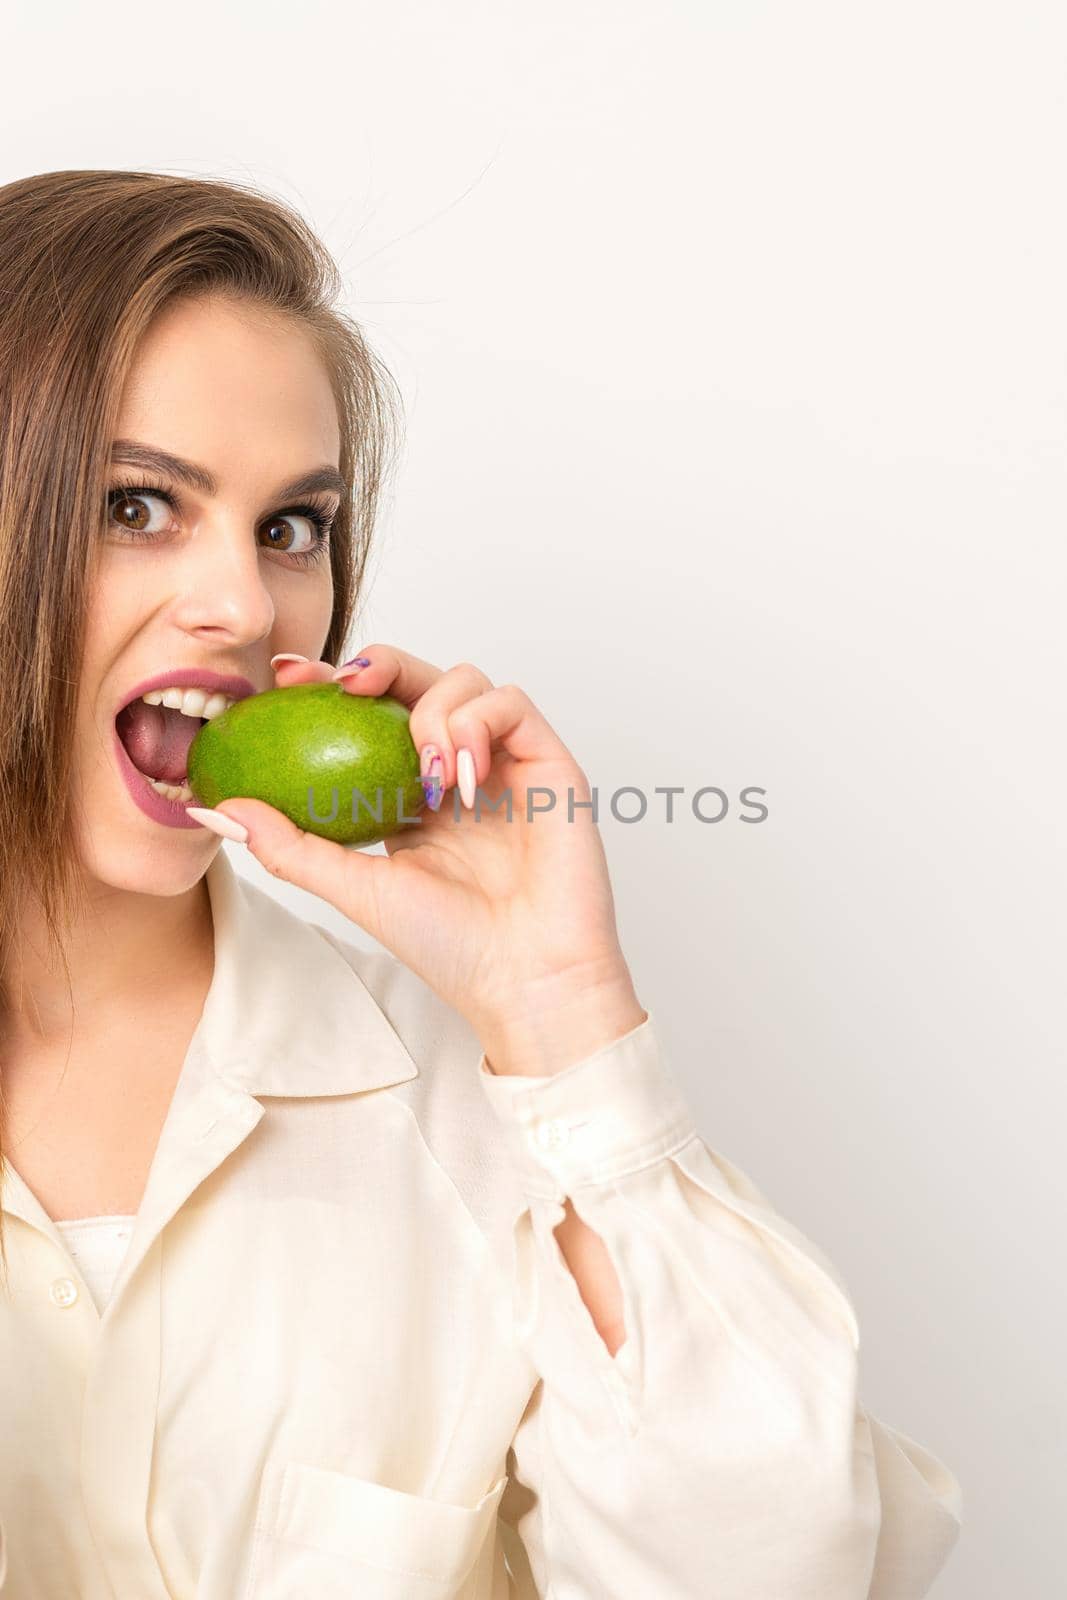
(285, 656)
(218, 822)
(348, 669)
(465, 777)
(432, 769)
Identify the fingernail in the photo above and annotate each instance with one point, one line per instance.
(465, 777)
(218, 822)
(431, 767)
(348, 669)
(285, 656)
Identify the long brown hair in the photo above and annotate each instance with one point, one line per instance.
(87, 260)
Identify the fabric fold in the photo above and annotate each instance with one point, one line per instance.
(723, 1450)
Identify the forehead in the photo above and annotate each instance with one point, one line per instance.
(236, 386)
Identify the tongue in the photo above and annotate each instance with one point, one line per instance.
(157, 739)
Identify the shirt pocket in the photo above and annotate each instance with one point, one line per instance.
(337, 1537)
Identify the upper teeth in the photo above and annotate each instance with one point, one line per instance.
(190, 702)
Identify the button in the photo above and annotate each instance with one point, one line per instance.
(551, 1135)
(64, 1292)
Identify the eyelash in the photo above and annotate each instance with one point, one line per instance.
(318, 510)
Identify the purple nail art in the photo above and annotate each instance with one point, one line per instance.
(432, 769)
(357, 661)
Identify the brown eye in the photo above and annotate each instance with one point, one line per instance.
(282, 535)
(133, 511)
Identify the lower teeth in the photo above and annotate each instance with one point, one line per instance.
(169, 791)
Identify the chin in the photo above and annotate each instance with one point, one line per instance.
(137, 860)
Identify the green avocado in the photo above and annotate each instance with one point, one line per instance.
(339, 765)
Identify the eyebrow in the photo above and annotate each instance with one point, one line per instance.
(133, 454)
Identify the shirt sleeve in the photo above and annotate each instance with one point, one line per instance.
(722, 1450)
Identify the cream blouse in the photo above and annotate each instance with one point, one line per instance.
(343, 1356)
(97, 1246)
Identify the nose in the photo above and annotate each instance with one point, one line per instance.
(224, 596)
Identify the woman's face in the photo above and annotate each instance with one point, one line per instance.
(216, 579)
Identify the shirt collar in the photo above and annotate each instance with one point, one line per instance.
(286, 1014)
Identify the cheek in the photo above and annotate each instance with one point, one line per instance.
(119, 604)
(112, 609)
(120, 595)
(303, 606)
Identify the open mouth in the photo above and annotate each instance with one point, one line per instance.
(157, 729)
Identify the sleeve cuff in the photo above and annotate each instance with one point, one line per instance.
(606, 1116)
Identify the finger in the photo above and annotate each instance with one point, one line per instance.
(422, 687)
(347, 878)
(299, 670)
(505, 717)
(387, 671)
(429, 719)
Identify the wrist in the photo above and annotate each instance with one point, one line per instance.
(539, 1040)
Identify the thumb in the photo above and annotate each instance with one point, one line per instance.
(338, 874)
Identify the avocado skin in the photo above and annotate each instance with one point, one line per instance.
(277, 745)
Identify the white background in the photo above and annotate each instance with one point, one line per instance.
(732, 340)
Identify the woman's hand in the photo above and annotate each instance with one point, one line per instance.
(511, 922)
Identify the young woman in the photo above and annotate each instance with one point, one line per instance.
(333, 1273)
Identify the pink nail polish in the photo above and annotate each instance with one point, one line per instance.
(285, 656)
(218, 822)
(465, 777)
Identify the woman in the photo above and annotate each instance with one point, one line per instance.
(331, 1273)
